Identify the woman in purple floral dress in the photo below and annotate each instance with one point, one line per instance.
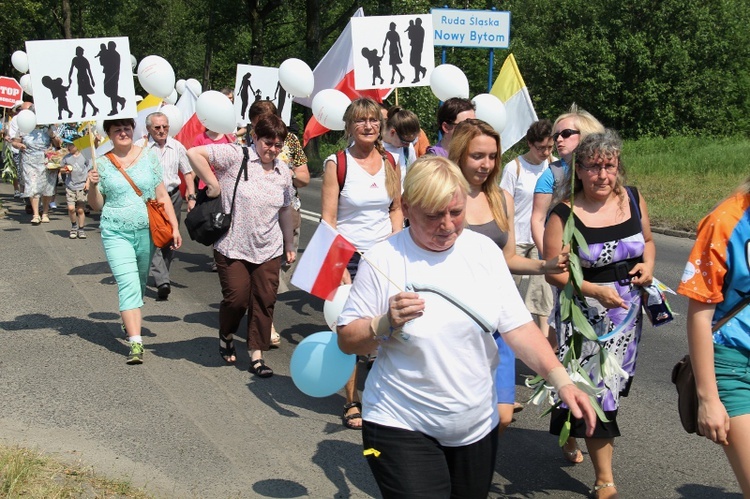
(614, 221)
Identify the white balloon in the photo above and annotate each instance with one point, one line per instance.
(174, 116)
(20, 61)
(329, 106)
(448, 81)
(172, 97)
(215, 111)
(180, 86)
(296, 77)
(333, 308)
(25, 82)
(194, 86)
(133, 62)
(492, 110)
(156, 76)
(26, 121)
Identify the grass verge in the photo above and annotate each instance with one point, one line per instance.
(29, 474)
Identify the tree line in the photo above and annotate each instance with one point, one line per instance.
(672, 67)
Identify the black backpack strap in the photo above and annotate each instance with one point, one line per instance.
(243, 168)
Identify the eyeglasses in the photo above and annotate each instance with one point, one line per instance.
(609, 168)
(160, 127)
(404, 142)
(543, 149)
(565, 134)
(373, 122)
(271, 144)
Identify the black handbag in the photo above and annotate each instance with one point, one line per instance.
(684, 380)
(207, 222)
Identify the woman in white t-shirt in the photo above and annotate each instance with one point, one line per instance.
(361, 199)
(519, 179)
(401, 129)
(430, 423)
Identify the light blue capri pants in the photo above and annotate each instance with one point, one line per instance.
(129, 254)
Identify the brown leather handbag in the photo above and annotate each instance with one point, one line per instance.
(158, 221)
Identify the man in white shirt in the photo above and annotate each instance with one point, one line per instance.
(173, 158)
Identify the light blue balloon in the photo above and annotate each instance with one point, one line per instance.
(318, 367)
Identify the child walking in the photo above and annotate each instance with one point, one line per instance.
(76, 185)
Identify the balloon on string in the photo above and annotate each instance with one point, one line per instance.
(20, 61)
(156, 76)
(334, 305)
(180, 86)
(318, 367)
(296, 77)
(492, 110)
(25, 82)
(329, 106)
(194, 86)
(448, 81)
(174, 117)
(172, 97)
(133, 62)
(26, 121)
(215, 111)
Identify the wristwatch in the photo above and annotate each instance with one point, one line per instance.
(191, 197)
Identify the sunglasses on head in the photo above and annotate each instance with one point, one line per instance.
(565, 134)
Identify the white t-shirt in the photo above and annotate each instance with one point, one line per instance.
(404, 161)
(521, 187)
(363, 216)
(441, 380)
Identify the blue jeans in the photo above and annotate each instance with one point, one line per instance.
(412, 465)
(129, 254)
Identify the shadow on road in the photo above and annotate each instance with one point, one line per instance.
(342, 461)
(690, 490)
(276, 487)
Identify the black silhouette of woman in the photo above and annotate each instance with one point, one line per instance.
(85, 81)
(395, 53)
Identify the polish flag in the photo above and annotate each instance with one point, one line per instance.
(336, 70)
(323, 262)
(192, 127)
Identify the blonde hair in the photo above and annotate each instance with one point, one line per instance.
(465, 132)
(584, 121)
(364, 108)
(431, 183)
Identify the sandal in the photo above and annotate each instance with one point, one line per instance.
(260, 369)
(594, 493)
(226, 349)
(574, 456)
(346, 419)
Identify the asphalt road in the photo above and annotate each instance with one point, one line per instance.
(183, 424)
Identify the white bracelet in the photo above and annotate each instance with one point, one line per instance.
(558, 378)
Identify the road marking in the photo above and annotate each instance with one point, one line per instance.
(310, 215)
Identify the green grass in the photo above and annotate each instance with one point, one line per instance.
(25, 473)
(683, 178)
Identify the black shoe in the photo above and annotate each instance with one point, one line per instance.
(162, 292)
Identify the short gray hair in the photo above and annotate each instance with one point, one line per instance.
(156, 114)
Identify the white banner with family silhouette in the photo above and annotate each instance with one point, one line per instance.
(254, 83)
(392, 51)
(82, 79)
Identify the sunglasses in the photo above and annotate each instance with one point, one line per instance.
(565, 134)
(160, 127)
(404, 142)
(270, 143)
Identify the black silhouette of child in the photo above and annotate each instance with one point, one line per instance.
(60, 93)
(373, 59)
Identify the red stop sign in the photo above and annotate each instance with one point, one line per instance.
(10, 91)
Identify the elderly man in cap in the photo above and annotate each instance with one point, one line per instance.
(173, 158)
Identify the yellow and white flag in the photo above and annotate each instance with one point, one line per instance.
(511, 89)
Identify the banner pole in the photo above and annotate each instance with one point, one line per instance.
(93, 147)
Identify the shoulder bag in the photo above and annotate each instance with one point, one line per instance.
(684, 380)
(207, 222)
(158, 221)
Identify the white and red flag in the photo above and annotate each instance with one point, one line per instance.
(192, 126)
(336, 70)
(323, 262)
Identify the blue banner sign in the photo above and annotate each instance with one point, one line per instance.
(471, 28)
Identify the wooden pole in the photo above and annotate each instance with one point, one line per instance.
(93, 146)
(396, 92)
